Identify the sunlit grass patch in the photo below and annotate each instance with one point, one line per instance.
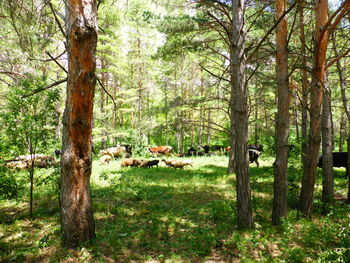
(163, 214)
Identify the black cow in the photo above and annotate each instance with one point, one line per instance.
(254, 156)
(149, 163)
(205, 148)
(191, 152)
(257, 147)
(57, 153)
(339, 159)
(217, 148)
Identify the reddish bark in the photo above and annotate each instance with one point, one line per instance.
(280, 182)
(76, 209)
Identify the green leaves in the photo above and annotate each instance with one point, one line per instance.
(29, 122)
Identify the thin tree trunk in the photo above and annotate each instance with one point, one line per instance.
(239, 110)
(280, 182)
(76, 210)
(297, 129)
(327, 146)
(342, 133)
(208, 128)
(305, 86)
(317, 84)
(31, 179)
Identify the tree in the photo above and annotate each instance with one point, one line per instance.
(324, 26)
(282, 129)
(239, 120)
(76, 209)
(30, 122)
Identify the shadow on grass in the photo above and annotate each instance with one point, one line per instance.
(156, 214)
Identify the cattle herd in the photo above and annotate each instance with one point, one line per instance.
(125, 151)
(110, 153)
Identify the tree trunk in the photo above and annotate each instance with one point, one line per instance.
(208, 127)
(327, 146)
(342, 133)
(346, 108)
(239, 110)
(305, 85)
(297, 131)
(317, 84)
(31, 179)
(76, 210)
(282, 130)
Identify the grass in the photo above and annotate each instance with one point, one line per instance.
(167, 215)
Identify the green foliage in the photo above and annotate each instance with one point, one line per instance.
(29, 121)
(9, 187)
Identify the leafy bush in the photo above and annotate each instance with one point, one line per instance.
(341, 255)
(9, 187)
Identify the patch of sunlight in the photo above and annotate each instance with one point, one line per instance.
(262, 195)
(13, 237)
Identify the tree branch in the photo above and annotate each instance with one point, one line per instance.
(45, 88)
(271, 29)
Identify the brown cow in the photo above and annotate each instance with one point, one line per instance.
(180, 165)
(105, 159)
(117, 151)
(130, 162)
(161, 149)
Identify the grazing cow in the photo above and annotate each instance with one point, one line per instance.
(217, 148)
(176, 163)
(25, 161)
(257, 147)
(180, 164)
(339, 159)
(105, 159)
(168, 162)
(227, 150)
(131, 163)
(128, 148)
(116, 151)
(191, 152)
(205, 148)
(161, 149)
(253, 156)
(149, 163)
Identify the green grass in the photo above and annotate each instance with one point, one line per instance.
(167, 215)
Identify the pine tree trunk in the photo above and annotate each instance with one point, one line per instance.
(327, 146)
(280, 182)
(239, 110)
(76, 209)
(342, 132)
(305, 86)
(316, 98)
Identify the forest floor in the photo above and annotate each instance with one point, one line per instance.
(167, 215)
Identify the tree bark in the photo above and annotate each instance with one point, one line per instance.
(305, 89)
(279, 210)
(76, 210)
(327, 146)
(317, 84)
(342, 132)
(239, 110)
